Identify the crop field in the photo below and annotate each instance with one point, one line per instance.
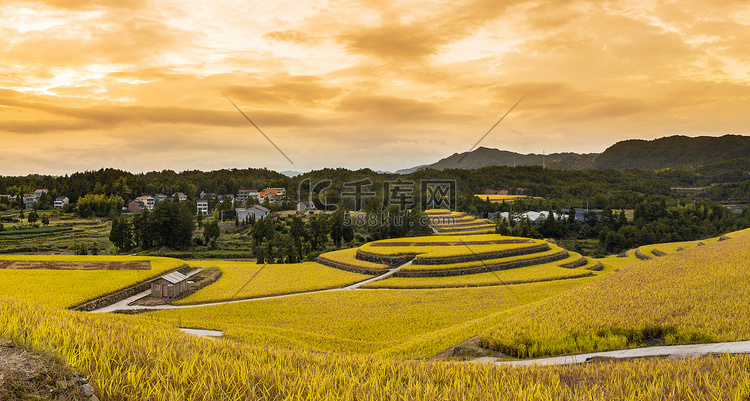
(554, 250)
(66, 287)
(455, 223)
(412, 323)
(672, 247)
(58, 237)
(529, 274)
(448, 246)
(138, 358)
(242, 280)
(348, 257)
(500, 198)
(695, 295)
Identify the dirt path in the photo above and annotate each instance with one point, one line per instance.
(670, 351)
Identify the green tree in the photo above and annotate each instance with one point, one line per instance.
(45, 220)
(33, 217)
(121, 234)
(211, 233)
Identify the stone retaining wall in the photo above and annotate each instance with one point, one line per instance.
(576, 263)
(122, 294)
(483, 269)
(597, 267)
(393, 261)
(642, 256)
(482, 256)
(349, 268)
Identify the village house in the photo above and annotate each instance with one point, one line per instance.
(136, 206)
(148, 202)
(202, 207)
(29, 200)
(61, 202)
(244, 194)
(159, 198)
(169, 285)
(271, 194)
(305, 205)
(180, 196)
(256, 211)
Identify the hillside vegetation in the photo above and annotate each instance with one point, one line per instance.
(676, 152)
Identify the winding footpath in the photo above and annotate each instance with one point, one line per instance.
(670, 351)
(125, 304)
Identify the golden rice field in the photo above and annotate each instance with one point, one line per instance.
(73, 287)
(678, 246)
(500, 198)
(553, 250)
(413, 323)
(348, 257)
(447, 246)
(529, 274)
(695, 295)
(138, 358)
(242, 280)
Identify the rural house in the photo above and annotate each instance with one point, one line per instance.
(305, 205)
(61, 202)
(169, 285)
(202, 207)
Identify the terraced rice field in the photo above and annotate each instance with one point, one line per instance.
(445, 222)
(243, 280)
(139, 358)
(410, 322)
(56, 280)
(696, 295)
(500, 198)
(346, 259)
(530, 274)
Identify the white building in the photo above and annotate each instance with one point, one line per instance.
(61, 201)
(202, 206)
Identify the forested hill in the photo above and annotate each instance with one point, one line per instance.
(485, 157)
(678, 152)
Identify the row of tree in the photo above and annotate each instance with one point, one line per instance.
(171, 224)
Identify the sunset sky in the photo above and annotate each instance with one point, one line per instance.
(139, 85)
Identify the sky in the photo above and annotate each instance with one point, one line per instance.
(143, 85)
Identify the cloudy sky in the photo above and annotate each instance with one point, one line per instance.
(140, 85)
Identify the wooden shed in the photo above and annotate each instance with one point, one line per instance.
(169, 285)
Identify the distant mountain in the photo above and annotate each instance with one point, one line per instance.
(290, 173)
(483, 157)
(678, 152)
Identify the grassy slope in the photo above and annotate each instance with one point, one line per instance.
(71, 287)
(242, 280)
